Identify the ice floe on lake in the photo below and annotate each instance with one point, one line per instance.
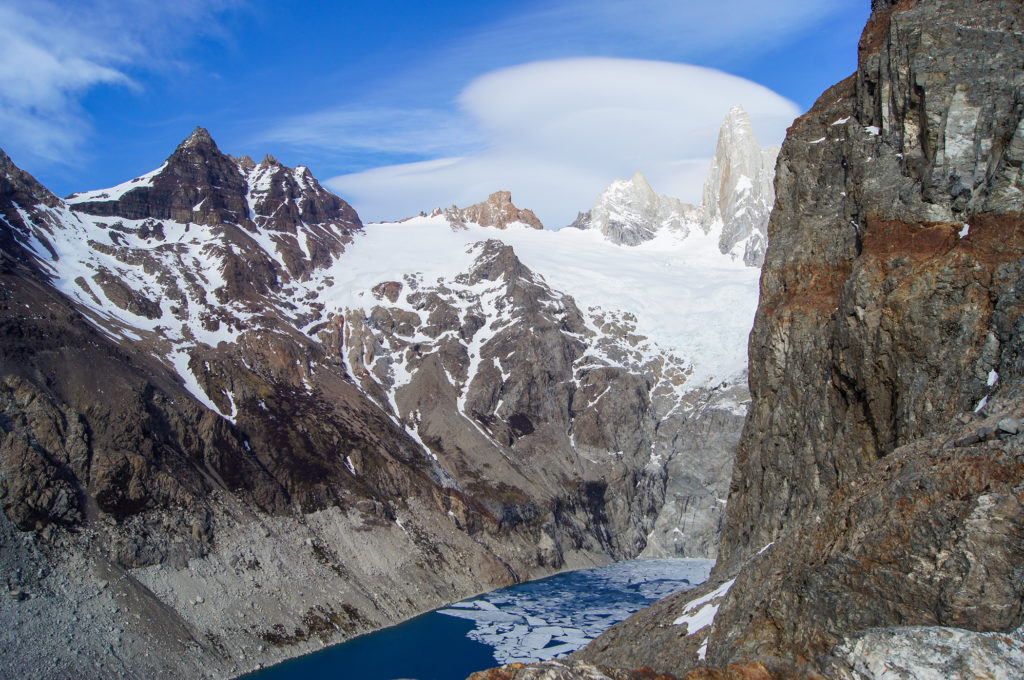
(558, 615)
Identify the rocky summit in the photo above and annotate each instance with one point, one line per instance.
(236, 424)
(497, 211)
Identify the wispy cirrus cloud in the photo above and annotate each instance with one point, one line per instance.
(675, 29)
(53, 53)
(378, 133)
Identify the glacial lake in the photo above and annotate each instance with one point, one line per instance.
(526, 622)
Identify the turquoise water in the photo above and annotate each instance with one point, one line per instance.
(527, 622)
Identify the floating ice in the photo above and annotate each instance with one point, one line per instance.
(558, 615)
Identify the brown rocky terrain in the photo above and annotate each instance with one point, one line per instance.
(874, 526)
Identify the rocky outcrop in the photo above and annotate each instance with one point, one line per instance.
(888, 308)
(558, 670)
(497, 211)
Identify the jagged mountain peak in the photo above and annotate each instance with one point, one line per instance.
(26, 215)
(629, 212)
(245, 163)
(739, 191)
(497, 211)
(20, 187)
(737, 199)
(737, 123)
(200, 137)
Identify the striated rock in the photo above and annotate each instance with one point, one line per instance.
(197, 183)
(497, 211)
(921, 652)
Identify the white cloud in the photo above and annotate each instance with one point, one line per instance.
(52, 53)
(558, 132)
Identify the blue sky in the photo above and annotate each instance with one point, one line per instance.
(402, 105)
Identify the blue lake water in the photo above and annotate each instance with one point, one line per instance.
(526, 622)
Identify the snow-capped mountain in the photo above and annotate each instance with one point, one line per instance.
(737, 199)
(216, 363)
(629, 213)
(739, 192)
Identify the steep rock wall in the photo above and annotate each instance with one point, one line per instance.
(874, 517)
(890, 292)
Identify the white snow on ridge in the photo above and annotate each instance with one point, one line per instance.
(115, 192)
(701, 613)
(686, 295)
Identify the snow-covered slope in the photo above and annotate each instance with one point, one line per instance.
(686, 296)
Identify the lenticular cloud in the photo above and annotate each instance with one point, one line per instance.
(558, 132)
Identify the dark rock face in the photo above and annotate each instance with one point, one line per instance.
(198, 184)
(878, 321)
(888, 318)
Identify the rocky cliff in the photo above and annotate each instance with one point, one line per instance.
(874, 521)
(216, 384)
